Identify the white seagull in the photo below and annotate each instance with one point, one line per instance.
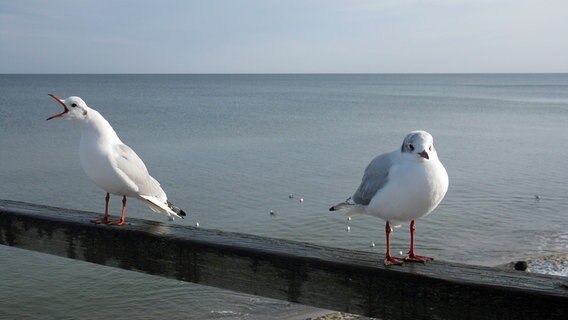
(401, 186)
(111, 164)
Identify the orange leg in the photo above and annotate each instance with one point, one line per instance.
(122, 215)
(104, 219)
(389, 260)
(411, 255)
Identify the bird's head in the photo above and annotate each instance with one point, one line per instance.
(419, 145)
(74, 108)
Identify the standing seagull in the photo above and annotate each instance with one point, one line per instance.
(111, 164)
(401, 186)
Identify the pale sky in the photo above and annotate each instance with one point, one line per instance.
(288, 36)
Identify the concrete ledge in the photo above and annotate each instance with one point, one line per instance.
(330, 278)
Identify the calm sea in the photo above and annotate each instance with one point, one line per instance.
(231, 148)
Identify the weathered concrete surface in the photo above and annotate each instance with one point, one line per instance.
(329, 278)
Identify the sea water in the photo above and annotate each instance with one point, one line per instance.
(230, 149)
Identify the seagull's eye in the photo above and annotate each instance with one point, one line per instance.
(74, 105)
(430, 148)
(411, 147)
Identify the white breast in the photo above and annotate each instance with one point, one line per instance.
(97, 161)
(413, 190)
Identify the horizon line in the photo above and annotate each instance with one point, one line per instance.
(279, 73)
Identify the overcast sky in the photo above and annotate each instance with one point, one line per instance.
(263, 36)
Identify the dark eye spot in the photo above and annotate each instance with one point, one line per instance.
(430, 148)
(411, 147)
(74, 105)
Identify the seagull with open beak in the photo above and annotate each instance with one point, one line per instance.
(111, 164)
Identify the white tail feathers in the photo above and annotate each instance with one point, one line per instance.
(162, 207)
(349, 203)
(354, 208)
(341, 206)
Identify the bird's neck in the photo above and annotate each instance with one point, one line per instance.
(97, 127)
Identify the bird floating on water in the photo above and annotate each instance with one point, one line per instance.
(401, 186)
(111, 164)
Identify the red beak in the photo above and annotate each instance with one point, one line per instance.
(424, 155)
(65, 110)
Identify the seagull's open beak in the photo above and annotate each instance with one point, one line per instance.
(63, 104)
(424, 154)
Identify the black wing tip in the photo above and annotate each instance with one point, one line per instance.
(332, 208)
(177, 210)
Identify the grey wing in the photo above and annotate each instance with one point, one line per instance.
(375, 176)
(130, 164)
